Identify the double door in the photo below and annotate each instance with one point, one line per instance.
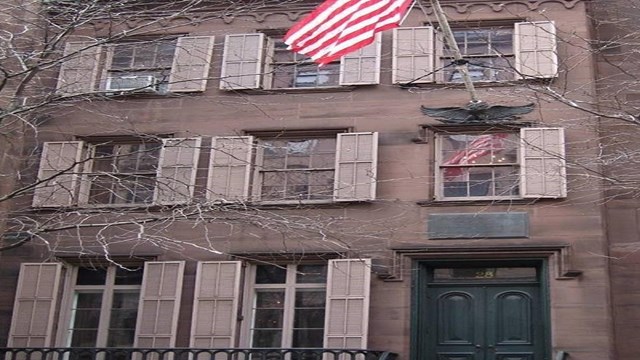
(482, 320)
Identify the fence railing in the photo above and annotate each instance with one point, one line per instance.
(192, 354)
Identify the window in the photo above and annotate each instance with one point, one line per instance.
(104, 307)
(288, 307)
(292, 70)
(253, 61)
(123, 173)
(303, 166)
(499, 53)
(136, 66)
(479, 165)
(296, 169)
(489, 52)
(144, 66)
(117, 171)
(285, 305)
(500, 164)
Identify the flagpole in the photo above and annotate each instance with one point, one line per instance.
(460, 62)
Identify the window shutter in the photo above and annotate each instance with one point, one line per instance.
(78, 72)
(535, 48)
(191, 62)
(356, 160)
(34, 306)
(362, 67)
(543, 163)
(242, 61)
(60, 161)
(159, 304)
(413, 52)
(229, 168)
(215, 305)
(347, 309)
(177, 170)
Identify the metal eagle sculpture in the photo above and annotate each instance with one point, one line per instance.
(477, 112)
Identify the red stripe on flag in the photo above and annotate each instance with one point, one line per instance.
(338, 27)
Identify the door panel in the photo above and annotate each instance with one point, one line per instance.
(484, 322)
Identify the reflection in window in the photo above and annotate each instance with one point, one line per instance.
(479, 165)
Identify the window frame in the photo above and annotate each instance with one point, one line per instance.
(246, 65)
(271, 64)
(439, 168)
(290, 288)
(443, 59)
(88, 173)
(541, 159)
(161, 83)
(65, 330)
(258, 174)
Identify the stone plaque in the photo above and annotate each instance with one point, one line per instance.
(476, 226)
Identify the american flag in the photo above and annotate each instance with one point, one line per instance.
(338, 27)
(479, 147)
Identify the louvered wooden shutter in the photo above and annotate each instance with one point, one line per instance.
(242, 61)
(543, 163)
(78, 72)
(191, 62)
(34, 306)
(356, 166)
(215, 305)
(362, 67)
(535, 48)
(177, 170)
(60, 161)
(229, 168)
(413, 55)
(347, 306)
(159, 304)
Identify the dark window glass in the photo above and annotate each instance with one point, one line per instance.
(271, 274)
(316, 274)
(91, 276)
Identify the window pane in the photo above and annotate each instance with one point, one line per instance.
(507, 181)
(272, 299)
(128, 277)
(316, 274)
(84, 338)
(271, 274)
(85, 315)
(268, 318)
(267, 338)
(308, 320)
(122, 321)
(122, 57)
(481, 181)
(90, 276)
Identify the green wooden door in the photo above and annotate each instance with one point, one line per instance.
(481, 320)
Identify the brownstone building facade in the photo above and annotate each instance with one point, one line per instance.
(202, 187)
